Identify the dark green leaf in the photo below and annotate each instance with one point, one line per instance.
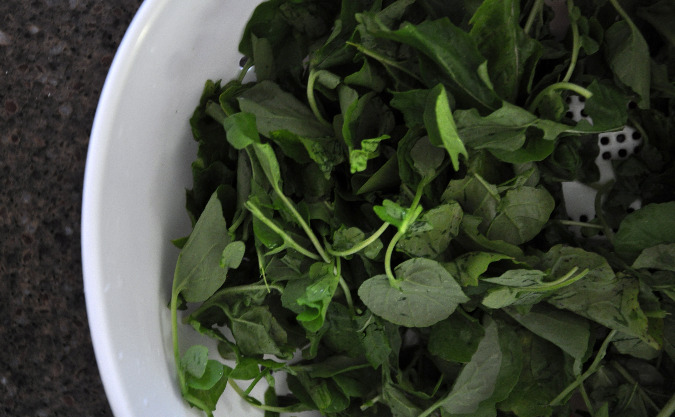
(428, 294)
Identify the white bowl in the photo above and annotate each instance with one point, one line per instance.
(138, 168)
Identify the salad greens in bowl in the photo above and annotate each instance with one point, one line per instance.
(404, 208)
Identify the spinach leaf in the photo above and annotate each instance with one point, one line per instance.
(652, 225)
(198, 272)
(441, 126)
(428, 294)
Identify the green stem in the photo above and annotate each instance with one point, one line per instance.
(384, 60)
(624, 373)
(387, 260)
(247, 288)
(216, 112)
(587, 399)
(255, 381)
(174, 337)
(370, 402)
(536, 10)
(563, 281)
(411, 215)
(312, 100)
(433, 408)
(558, 86)
(261, 265)
(287, 239)
(361, 245)
(580, 224)
(590, 371)
(576, 45)
(310, 234)
(669, 409)
(623, 14)
(264, 407)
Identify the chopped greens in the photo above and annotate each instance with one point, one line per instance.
(380, 216)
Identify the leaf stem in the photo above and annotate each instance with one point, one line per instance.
(174, 338)
(384, 60)
(587, 399)
(287, 239)
(562, 85)
(623, 14)
(576, 45)
(310, 234)
(536, 10)
(590, 371)
(362, 244)
(252, 401)
(312, 100)
(669, 409)
(579, 224)
(627, 376)
(411, 215)
(433, 408)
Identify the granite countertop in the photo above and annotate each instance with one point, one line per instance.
(54, 57)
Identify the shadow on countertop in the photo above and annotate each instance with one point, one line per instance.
(54, 57)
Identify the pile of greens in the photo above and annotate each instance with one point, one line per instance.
(380, 217)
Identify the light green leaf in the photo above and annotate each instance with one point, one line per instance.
(440, 125)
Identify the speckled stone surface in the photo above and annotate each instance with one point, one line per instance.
(54, 57)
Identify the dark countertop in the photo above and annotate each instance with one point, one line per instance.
(54, 57)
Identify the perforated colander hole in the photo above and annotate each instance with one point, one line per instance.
(636, 135)
(584, 113)
(604, 140)
(243, 61)
(621, 138)
(629, 210)
(623, 153)
(583, 218)
(606, 156)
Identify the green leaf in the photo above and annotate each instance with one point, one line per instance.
(275, 109)
(652, 225)
(428, 294)
(213, 373)
(477, 380)
(470, 266)
(600, 296)
(241, 130)
(568, 331)
(194, 360)
(523, 212)
(511, 54)
(317, 296)
(233, 254)
(257, 332)
(358, 158)
(660, 257)
(268, 162)
(628, 56)
(440, 125)
(456, 338)
(198, 273)
(444, 221)
(391, 213)
(455, 54)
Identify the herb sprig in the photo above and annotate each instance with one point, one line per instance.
(380, 215)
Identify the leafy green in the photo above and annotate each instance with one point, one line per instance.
(382, 216)
(427, 294)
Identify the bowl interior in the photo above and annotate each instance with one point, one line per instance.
(138, 168)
